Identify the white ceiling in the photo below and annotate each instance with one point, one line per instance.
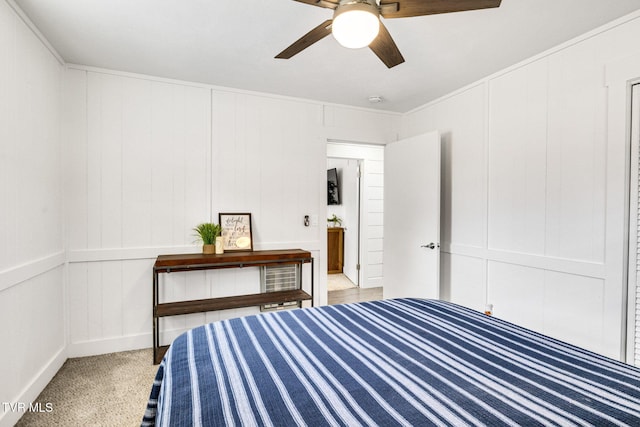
(232, 43)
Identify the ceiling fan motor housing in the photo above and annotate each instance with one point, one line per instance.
(356, 22)
(370, 6)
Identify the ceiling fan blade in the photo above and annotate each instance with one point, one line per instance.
(407, 8)
(329, 4)
(318, 33)
(385, 48)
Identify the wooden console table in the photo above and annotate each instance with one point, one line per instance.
(194, 262)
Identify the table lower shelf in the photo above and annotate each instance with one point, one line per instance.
(225, 303)
(222, 303)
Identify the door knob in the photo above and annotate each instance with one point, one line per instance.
(430, 246)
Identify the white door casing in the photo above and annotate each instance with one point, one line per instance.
(412, 217)
(350, 183)
(633, 322)
(371, 206)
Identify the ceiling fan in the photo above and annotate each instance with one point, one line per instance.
(356, 23)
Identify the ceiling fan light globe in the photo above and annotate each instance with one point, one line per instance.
(355, 28)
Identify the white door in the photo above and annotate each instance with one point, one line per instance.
(412, 217)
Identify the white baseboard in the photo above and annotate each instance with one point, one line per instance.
(34, 388)
(109, 345)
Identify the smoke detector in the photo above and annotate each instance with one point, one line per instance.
(375, 99)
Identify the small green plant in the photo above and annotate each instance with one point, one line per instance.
(335, 220)
(207, 232)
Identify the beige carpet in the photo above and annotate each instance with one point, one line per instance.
(112, 389)
(107, 390)
(338, 282)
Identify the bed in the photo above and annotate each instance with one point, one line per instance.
(389, 362)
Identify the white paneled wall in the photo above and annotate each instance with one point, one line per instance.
(148, 159)
(531, 208)
(517, 160)
(577, 147)
(138, 182)
(32, 336)
(268, 159)
(359, 125)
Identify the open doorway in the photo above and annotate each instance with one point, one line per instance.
(361, 212)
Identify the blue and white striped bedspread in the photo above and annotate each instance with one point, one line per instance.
(392, 362)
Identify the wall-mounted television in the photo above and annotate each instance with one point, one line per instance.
(333, 187)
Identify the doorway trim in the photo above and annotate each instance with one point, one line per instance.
(350, 213)
(620, 76)
(633, 271)
(371, 226)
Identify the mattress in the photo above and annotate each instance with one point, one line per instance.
(385, 363)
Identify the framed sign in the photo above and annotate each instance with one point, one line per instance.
(236, 231)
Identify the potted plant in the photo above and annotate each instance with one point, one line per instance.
(208, 232)
(335, 220)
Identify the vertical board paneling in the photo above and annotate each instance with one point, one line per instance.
(75, 159)
(162, 172)
(147, 165)
(137, 147)
(94, 160)
(271, 182)
(112, 301)
(463, 200)
(573, 309)
(577, 155)
(78, 298)
(265, 162)
(94, 300)
(136, 297)
(554, 182)
(8, 172)
(465, 279)
(110, 147)
(517, 294)
(34, 332)
(31, 302)
(196, 143)
(567, 306)
(224, 157)
(517, 160)
(155, 170)
(178, 166)
(31, 148)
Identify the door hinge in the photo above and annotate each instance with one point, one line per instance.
(358, 267)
